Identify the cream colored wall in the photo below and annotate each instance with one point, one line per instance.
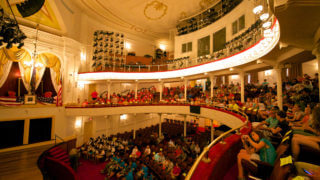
(245, 8)
(272, 78)
(63, 126)
(310, 68)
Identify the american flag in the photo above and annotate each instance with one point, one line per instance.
(59, 95)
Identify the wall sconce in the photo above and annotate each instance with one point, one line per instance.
(78, 123)
(83, 56)
(162, 47)
(128, 45)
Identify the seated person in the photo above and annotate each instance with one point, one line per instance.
(305, 118)
(176, 170)
(310, 140)
(134, 152)
(297, 114)
(147, 151)
(282, 126)
(233, 106)
(267, 125)
(255, 144)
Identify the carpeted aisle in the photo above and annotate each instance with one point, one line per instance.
(88, 170)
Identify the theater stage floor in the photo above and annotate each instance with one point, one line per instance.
(21, 164)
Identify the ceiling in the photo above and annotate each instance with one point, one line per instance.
(299, 21)
(152, 17)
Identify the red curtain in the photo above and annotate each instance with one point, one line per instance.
(46, 84)
(11, 83)
(295, 71)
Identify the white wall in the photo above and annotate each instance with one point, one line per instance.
(234, 79)
(270, 76)
(310, 67)
(244, 8)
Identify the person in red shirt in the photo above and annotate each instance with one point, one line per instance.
(176, 170)
(94, 95)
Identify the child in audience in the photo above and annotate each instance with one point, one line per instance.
(253, 145)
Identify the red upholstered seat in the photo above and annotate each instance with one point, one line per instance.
(12, 94)
(48, 94)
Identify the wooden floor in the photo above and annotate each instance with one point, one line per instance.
(21, 164)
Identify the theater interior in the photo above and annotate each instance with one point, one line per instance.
(159, 89)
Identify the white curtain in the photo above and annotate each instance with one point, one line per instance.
(6, 69)
(40, 74)
(53, 75)
(26, 85)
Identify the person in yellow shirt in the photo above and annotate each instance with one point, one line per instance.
(233, 106)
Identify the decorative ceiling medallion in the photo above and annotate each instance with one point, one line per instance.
(155, 10)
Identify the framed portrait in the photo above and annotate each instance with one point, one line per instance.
(30, 99)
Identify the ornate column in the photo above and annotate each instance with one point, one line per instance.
(242, 86)
(134, 126)
(211, 85)
(161, 90)
(109, 90)
(160, 121)
(279, 87)
(136, 91)
(185, 89)
(212, 130)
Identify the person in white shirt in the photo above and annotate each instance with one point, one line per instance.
(147, 151)
(134, 152)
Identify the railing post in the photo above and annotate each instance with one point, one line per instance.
(158, 67)
(222, 141)
(238, 132)
(149, 67)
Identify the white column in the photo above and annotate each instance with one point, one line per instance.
(185, 126)
(109, 90)
(212, 130)
(185, 89)
(211, 86)
(161, 90)
(279, 87)
(134, 126)
(242, 86)
(136, 91)
(160, 121)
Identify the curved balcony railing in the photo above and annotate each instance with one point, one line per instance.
(214, 142)
(247, 47)
(247, 39)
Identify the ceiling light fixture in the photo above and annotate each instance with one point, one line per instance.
(258, 9)
(266, 25)
(264, 16)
